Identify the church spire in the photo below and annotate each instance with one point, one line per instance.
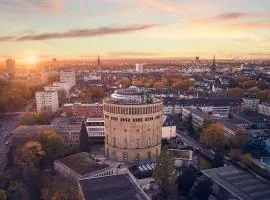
(213, 68)
(98, 61)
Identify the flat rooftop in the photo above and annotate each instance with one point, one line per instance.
(82, 163)
(181, 154)
(253, 117)
(133, 91)
(240, 183)
(39, 128)
(115, 187)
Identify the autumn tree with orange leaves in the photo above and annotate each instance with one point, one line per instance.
(213, 135)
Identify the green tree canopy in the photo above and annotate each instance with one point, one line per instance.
(53, 146)
(84, 144)
(165, 173)
(186, 180)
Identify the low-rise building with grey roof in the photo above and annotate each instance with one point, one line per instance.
(115, 187)
(70, 134)
(82, 165)
(233, 183)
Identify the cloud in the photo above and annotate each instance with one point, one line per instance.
(172, 7)
(249, 26)
(259, 54)
(132, 54)
(232, 16)
(80, 33)
(49, 5)
(6, 38)
(227, 16)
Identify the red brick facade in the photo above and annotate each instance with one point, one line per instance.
(83, 111)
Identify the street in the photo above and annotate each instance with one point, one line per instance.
(195, 144)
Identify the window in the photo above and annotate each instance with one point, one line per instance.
(108, 152)
(149, 155)
(137, 157)
(149, 142)
(137, 143)
(114, 141)
(125, 157)
(125, 143)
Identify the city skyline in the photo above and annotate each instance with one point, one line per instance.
(134, 29)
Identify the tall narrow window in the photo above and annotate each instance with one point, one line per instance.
(137, 143)
(149, 142)
(125, 143)
(114, 141)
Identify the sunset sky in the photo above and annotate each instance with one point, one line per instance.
(134, 28)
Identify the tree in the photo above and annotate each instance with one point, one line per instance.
(234, 93)
(218, 160)
(42, 118)
(159, 85)
(53, 146)
(183, 84)
(15, 190)
(29, 154)
(235, 154)
(201, 190)
(124, 82)
(264, 95)
(165, 172)
(239, 140)
(247, 160)
(213, 135)
(186, 180)
(3, 194)
(84, 145)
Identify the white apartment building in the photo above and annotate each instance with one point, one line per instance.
(139, 68)
(63, 85)
(68, 76)
(95, 128)
(250, 103)
(264, 108)
(47, 100)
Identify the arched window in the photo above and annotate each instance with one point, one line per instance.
(137, 143)
(114, 141)
(137, 157)
(149, 142)
(125, 143)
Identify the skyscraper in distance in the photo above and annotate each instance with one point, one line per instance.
(213, 67)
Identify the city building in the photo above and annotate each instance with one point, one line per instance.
(82, 165)
(133, 125)
(63, 85)
(95, 129)
(47, 100)
(70, 134)
(250, 104)
(264, 108)
(182, 158)
(234, 183)
(218, 107)
(83, 111)
(68, 76)
(168, 128)
(139, 68)
(258, 120)
(112, 187)
(11, 67)
(198, 117)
